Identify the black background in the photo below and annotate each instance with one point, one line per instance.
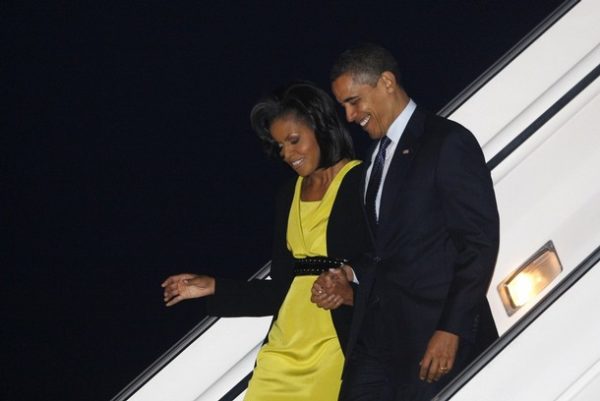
(130, 156)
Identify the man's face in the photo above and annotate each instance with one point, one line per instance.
(366, 105)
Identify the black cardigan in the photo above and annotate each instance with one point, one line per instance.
(347, 238)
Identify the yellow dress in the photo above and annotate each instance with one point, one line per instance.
(302, 359)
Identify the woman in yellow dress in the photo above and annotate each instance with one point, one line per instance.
(319, 225)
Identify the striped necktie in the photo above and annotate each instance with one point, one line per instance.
(375, 182)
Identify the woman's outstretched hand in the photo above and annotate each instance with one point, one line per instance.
(186, 286)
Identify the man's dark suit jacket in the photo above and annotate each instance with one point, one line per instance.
(347, 238)
(435, 245)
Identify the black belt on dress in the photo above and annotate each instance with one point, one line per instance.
(316, 265)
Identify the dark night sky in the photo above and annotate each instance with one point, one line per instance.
(134, 157)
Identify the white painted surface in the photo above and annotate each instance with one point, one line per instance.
(534, 80)
(551, 194)
(556, 358)
(222, 351)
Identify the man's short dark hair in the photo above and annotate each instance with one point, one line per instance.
(365, 63)
(314, 107)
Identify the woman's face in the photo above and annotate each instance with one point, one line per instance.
(298, 144)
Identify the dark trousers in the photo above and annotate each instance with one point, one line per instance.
(367, 379)
(372, 374)
(368, 375)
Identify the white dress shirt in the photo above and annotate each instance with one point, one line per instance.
(394, 133)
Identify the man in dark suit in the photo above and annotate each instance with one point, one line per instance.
(421, 313)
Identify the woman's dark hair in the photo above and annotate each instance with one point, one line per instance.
(311, 105)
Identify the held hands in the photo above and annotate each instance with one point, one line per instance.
(439, 356)
(332, 289)
(186, 286)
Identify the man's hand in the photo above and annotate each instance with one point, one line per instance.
(439, 356)
(186, 286)
(332, 289)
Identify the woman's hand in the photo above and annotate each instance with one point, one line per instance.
(187, 286)
(332, 289)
